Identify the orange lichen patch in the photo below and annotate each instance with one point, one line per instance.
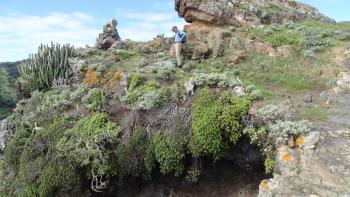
(299, 141)
(265, 185)
(91, 77)
(287, 157)
(118, 76)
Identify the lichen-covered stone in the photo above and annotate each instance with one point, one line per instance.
(109, 36)
(238, 12)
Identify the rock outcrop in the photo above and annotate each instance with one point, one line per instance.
(109, 36)
(239, 12)
(317, 166)
(6, 131)
(207, 41)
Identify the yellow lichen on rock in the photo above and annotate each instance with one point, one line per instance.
(264, 185)
(299, 141)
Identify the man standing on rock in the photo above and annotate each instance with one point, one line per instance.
(180, 39)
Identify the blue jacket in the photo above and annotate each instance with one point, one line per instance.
(180, 36)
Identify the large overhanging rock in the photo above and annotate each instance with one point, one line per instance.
(239, 12)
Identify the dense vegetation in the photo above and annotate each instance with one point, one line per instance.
(8, 95)
(61, 149)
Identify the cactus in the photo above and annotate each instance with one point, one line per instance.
(49, 64)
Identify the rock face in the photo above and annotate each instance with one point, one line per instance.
(109, 36)
(6, 131)
(238, 12)
(207, 41)
(318, 166)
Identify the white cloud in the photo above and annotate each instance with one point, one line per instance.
(145, 26)
(20, 34)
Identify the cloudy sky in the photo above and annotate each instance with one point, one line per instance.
(24, 24)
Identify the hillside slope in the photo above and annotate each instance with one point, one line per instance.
(258, 108)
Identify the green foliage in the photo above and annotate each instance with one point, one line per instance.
(15, 147)
(314, 113)
(256, 95)
(146, 97)
(123, 54)
(279, 39)
(133, 156)
(225, 79)
(49, 64)
(286, 72)
(82, 142)
(165, 70)
(269, 165)
(193, 174)
(169, 153)
(56, 99)
(39, 173)
(7, 94)
(287, 128)
(213, 120)
(307, 39)
(136, 79)
(231, 110)
(141, 62)
(206, 137)
(96, 98)
(271, 113)
(264, 141)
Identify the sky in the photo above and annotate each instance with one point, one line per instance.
(24, 24)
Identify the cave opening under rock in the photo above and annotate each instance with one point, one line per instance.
(239, 173)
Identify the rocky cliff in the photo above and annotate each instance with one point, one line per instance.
(249, 12)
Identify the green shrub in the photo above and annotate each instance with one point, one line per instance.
(256, 95)
(96, 99)
(146, 97)
(286, 128)
(269, 165)
(169, 153)
(132, 155)
(231, 110)
(223, 80)
(6, 92)
(142, 62)
(193, 174)
(85, 144)
(213, 120)
(135, 79)
(206, 136)
(123, 54)
(165, 70)
(49, 64)
(15, 147)
(279, 39)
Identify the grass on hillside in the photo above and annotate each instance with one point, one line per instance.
(291, 73)
(314, 113)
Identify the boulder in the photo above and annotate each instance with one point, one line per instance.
(109, 36)
(253, 12)
(308, 98)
